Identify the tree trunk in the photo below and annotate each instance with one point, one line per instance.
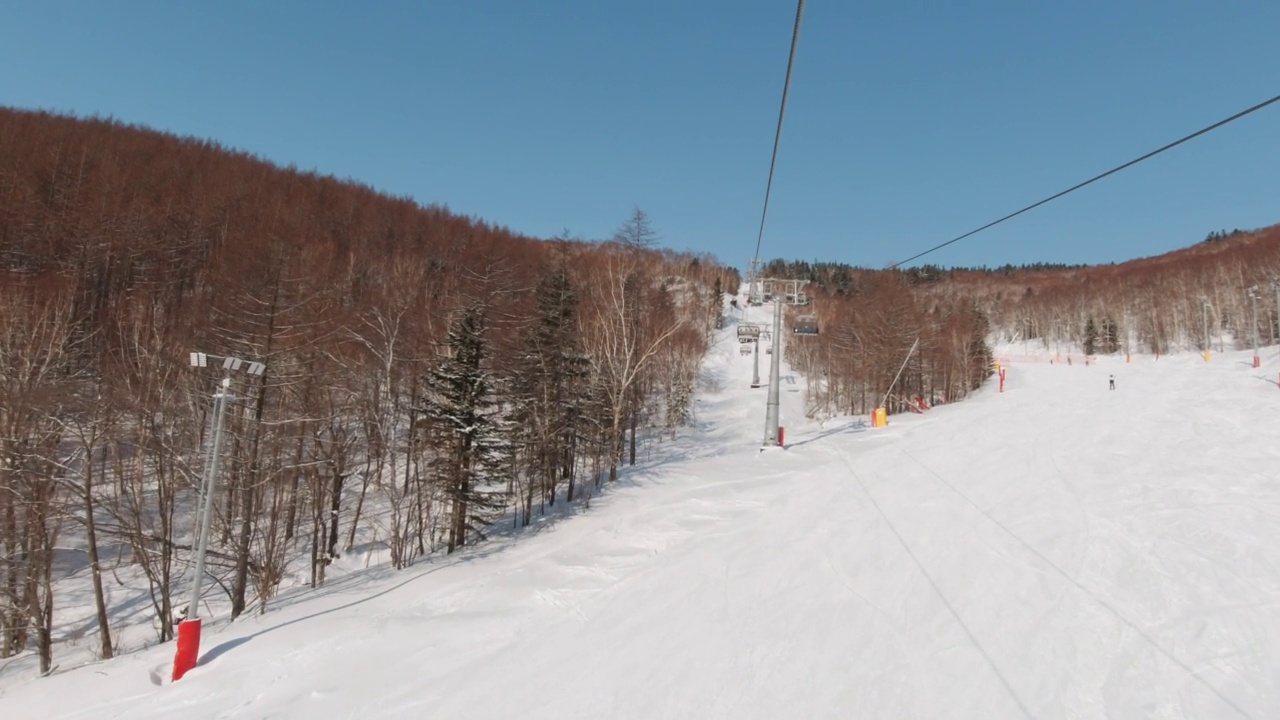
(568, 470)
(40, 589)
(291, 522)
(13, 623)
(315, 551)
(635, 419)
(453, 526)
(335, 501)
(44, 633)
(91, 538)
(240, 582)
(364, 488)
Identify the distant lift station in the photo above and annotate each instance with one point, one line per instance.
(791, 292)
(761, 289)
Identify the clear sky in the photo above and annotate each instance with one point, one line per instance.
(909, 122)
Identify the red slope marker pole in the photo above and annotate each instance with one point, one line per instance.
(188, 648)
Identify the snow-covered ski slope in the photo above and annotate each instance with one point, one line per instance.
(1058, 550)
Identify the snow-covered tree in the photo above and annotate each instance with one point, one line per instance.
(550, 389)
(472, 455)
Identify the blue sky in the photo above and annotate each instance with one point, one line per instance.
(908, 122)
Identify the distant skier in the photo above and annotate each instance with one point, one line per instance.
(1112, 380)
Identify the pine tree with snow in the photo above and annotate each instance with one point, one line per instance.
(716, 305)
(550, 390)
(472, 456)
(679, 399)
(1110, 336)
(1090, 337)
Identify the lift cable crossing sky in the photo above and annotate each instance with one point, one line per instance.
(1093, 179)
(772, 413)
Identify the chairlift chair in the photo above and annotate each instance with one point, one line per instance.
(805, 325)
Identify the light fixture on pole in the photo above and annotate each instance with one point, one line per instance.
(188, 650)
(1205, 312)
(1128, 333)
(1276, 285)
(1253, 296)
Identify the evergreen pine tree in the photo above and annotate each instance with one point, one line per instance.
(472, 455)
(1090, 337)
(1111, 335)
(550, 389)
(717, 305)
(980, 357)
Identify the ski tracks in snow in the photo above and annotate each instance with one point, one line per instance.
(968, 631)
(1073, 580)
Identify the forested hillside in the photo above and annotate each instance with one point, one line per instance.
(1153, 305)
(426, 374)
(1184, 300)
(883, 340)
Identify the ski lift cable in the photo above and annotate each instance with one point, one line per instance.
(782, 111)
(1091, 180)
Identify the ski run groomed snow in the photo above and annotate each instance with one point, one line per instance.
(1058, 550)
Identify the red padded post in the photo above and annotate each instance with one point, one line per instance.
(188, 648)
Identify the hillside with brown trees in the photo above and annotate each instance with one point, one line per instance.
(1184, 300)
(1154, 305)
(426, 374)
(884, 343)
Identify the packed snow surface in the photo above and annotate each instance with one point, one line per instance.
(1056, 550)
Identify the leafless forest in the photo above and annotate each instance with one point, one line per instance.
(1181, 301)
(428, 375)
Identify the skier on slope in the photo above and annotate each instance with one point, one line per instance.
(1111, 379)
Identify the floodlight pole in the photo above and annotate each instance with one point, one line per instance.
(1205, 308)
(1128, 333)
(1253, 295)
(771, 413)
(188, 645)
(1277, 288)
(210, 482)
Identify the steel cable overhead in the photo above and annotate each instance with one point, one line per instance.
(1073, 188)
(782, 111)
(773, 405)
